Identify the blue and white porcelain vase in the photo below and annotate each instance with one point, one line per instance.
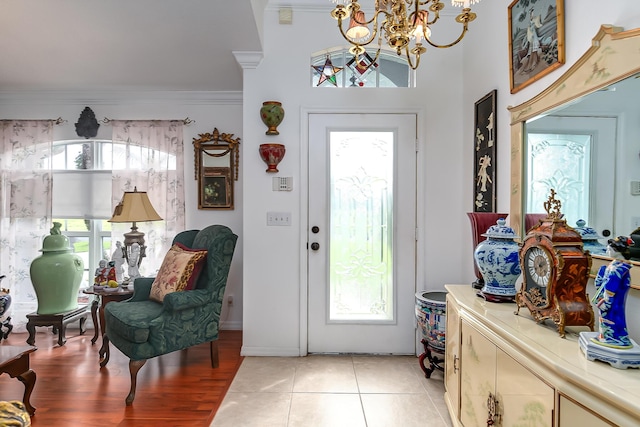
(612, 285)
(498, 261)
(590, 238)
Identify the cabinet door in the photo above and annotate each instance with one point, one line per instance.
(572, 414)
(452, 358)
(477, 375)
(523, 398)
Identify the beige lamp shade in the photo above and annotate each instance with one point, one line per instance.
(357, 29)
(135, 206)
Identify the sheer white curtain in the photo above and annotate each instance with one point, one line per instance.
(25, 207)
(151, 159)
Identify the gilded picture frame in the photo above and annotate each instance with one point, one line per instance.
(485, 139)
(536, 40)
(216, 164)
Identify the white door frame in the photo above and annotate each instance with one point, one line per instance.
(304, 198)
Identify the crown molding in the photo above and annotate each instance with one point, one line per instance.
(105, 97)
(248, 60)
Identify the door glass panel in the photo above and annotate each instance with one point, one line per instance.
(561, 162)
(361, 235)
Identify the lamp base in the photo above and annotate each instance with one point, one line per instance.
(134, 248)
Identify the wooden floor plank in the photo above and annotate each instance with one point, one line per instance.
(177, 389)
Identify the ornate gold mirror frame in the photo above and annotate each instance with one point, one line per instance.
(216, 161)
(613, 56)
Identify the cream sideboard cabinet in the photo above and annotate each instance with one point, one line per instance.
(507, 368)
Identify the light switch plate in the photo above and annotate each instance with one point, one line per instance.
(279, 219)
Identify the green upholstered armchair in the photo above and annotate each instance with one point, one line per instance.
(142, 328)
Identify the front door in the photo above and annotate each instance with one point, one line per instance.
(361, 233)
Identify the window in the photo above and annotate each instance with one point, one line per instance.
(561, 162)
(82, 171)
(389, 70)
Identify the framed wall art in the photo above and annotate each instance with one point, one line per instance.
(215, 188)
(484, 185)
(536, 40)
(216, 163)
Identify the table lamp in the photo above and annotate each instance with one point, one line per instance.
(134, 207)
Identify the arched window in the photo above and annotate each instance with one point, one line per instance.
(389, 70)
(82, 175)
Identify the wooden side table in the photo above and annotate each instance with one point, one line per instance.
(58, 321)
(14, 360)
(97, 307)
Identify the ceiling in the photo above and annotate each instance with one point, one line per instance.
(128, 44)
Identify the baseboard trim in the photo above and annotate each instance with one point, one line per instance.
(270, 351)
(235, 325)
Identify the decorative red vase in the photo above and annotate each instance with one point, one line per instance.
(480, 223)
(272, 154)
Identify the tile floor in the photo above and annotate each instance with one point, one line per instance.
(333, 391)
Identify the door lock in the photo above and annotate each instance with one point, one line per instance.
(315, 246)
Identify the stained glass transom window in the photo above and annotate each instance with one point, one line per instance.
(339, 68)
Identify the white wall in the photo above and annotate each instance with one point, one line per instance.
(208, 110)
(486, 65)
(274, 320)
(450, 82)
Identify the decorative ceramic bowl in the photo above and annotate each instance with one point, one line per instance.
(272, 154)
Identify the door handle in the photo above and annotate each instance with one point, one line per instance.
(315, 246)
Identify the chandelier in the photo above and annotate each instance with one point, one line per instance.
(402, 23)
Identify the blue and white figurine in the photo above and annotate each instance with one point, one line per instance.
(611, 343)
(498, 261)
(590, 239)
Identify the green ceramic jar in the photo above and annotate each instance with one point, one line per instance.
(56, 275)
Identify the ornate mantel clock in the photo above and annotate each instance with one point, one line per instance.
(555, 271)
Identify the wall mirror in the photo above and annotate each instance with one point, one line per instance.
(217, 161)
(588, 122)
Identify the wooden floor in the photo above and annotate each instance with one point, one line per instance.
(178, 389)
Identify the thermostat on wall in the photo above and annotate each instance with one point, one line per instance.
(635, 188)
(282, 183)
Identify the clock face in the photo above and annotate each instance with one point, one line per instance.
(537, 271)
(538, 266)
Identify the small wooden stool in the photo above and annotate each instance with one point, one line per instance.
(58, 321)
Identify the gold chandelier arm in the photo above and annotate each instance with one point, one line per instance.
(464, 18)
(409, 61)
(435, 8)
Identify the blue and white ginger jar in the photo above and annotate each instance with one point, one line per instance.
(498, 260)
(590, 238)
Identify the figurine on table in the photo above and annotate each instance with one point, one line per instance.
(133, 261)
(611, 344)
(612, 284)
(111, 271)
(102, 273)
(118, 259)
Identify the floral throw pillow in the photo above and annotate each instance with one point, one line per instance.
(179, 271)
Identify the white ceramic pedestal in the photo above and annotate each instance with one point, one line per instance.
(618, 358)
